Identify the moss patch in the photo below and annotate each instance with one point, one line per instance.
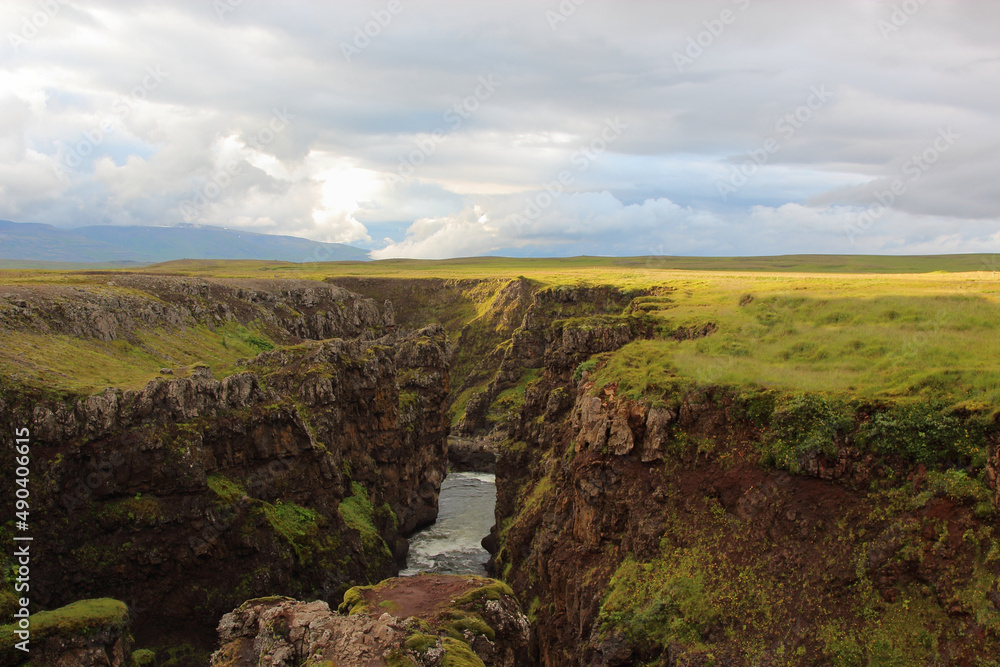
(461, 622)
(418, 642)
(358, 513)
(228, 491)
(85, 617)
(458, 654)
(354, 600)
(143, 658)
(491, 591)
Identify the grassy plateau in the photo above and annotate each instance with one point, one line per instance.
(872, 327)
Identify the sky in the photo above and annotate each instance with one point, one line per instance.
(432, 129)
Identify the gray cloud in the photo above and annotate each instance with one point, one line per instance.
(701, 87)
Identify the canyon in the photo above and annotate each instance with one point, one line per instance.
(276, 468)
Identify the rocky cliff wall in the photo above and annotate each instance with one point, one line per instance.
(549, 335)
(298, 475)
(718, 526)
(427, 620)
(118, 305)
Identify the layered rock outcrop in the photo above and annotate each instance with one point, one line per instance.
(87, 633)
(126, 304)
(472, 454)
(426, 621)
(700, 526)
(551, 335)
(300, 474)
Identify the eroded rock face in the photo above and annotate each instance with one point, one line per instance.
(87, 633)
(104, 648)
(472, 454)
(299, 475)
(594, 488)
(538, 344)
(130, 303)
(177, 400)
(280, 632)
(993, 469)
(428, 620)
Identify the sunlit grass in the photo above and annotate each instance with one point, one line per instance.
(881, 332)
(64, 364)
(870, 338)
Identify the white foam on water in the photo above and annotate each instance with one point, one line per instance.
(487, 477)
(465, 515)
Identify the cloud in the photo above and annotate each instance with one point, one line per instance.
(600, 224)
(124, 113)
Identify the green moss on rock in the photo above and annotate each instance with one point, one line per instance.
(491, 591)
(143, 658)
(419, 642)
(354, 600)
(228, 491)
(358, 513)
(85, 617)
(459, 654)
(462, 622)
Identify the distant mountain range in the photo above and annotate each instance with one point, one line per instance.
(108, 244)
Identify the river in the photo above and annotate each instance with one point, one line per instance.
(465, 515)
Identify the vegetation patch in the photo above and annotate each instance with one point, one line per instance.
(144, 658)
(804, 424)
(419, 642)
(957, 484)
(84, 618)
(140, 508)
(458, 654)
(255, 340)
(927, 433)
(408, 399)
(587, 366)
(358, 513)
(181, 655)
(508, 403)
(461, 622)
(72, 366)
(228, 491)
(354, 600)
(291, 521)
(661, 602)
(302, 528)
(491, 591)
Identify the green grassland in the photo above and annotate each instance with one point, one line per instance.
(559, 269)
(872, 327)
(909, 336)
(868, 326)
(66, 365)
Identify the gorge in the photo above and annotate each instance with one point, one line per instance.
(258, 450)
